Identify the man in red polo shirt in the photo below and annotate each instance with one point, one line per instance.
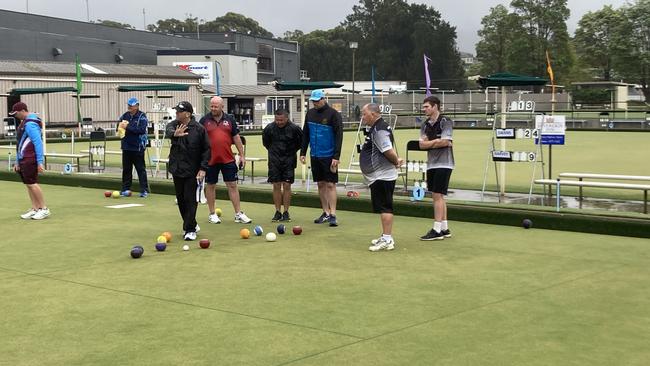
(223, 133)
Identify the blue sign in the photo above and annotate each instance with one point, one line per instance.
(551, 140)
(418, 194)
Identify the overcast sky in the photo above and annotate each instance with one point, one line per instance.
(276, 16)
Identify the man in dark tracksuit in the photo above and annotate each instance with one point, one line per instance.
(134, 142)
(323, 133)
(282, 139)
(188, 162)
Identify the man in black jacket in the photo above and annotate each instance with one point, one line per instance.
(282, 139)
(188, 162)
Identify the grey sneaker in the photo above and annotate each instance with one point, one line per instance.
(324, 217)
(382, 244)
(332, 221)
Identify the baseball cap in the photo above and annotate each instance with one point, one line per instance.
(317, 95)
(20, 106)
(184, 107)
(133, 101)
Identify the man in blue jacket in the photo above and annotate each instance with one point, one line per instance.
(323, 134)
(30, 159)
(134, 143)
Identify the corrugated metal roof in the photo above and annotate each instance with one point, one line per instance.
(68, 68)
(253, 90)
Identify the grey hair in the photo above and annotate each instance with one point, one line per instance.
(373, 108)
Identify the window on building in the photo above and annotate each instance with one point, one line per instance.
(273, 104)
(265, 57)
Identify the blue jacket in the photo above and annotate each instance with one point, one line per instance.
(135, 138)
(323, 133)
(30, 142)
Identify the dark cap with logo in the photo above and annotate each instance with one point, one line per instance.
(184, 107)
(20, 106)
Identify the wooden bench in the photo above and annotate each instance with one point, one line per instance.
(582, 176)
(77, 157)
(579, 183)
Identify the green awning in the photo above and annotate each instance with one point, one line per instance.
(153, 87)
(508, 79)
(27, 91)
(305, 85)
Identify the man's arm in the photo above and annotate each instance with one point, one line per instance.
(426, 144)
(138, 127)
(337, 125)
(305, 141)
(266, 136)
(34, 134)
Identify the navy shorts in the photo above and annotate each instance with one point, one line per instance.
(28, 171)
(228, 171)
(320, 170)
(438, 180)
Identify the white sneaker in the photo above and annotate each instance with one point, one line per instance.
(242, 218)
(41, 214)
(214, 219)
(190, 235)
(382, 244)
(375, 241)
(28, 215)
(197, 228)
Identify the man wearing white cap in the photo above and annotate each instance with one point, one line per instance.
(134, 142)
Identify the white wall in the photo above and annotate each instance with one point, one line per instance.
(233, 70)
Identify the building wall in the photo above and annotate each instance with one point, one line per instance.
(286, 56)
(234, 70)
(32, 37)
(110, 105)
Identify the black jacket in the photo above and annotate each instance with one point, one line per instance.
(190, 153)
(282, 143)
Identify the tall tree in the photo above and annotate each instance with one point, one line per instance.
(492, 49)
(598, 39)
(172, 26)
(114, 24)
(635, 63)
(543, 27)
(234, 22)
(393, 35)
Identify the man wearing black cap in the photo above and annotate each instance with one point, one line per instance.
(188, 162)
(30, 159)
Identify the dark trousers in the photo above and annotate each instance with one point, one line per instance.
(186, 196)
(129, 160)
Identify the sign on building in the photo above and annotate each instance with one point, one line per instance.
(203, 69)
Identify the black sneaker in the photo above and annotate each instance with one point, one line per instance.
(285, 217)
(276, 217)
(321, 219)
(432, 235)
(446, 233)
(332, 221)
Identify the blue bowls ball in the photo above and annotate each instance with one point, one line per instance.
(258, 230)
(281, 229)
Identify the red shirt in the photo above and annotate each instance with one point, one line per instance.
(221, 135)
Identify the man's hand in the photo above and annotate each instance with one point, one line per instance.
(200, 175)
(123, 124)
(41, 168)
(16, 168)
(181, 131)
(335, 163)
(242, 162)
(302, 159)
(400, 162)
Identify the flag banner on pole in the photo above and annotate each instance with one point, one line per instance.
(79, 86)
(549, 69)
(426, 74)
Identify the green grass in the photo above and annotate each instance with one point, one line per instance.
(597, 152)
(491, 295)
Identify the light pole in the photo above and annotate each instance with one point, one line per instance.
(353, 46)
(198, 25)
